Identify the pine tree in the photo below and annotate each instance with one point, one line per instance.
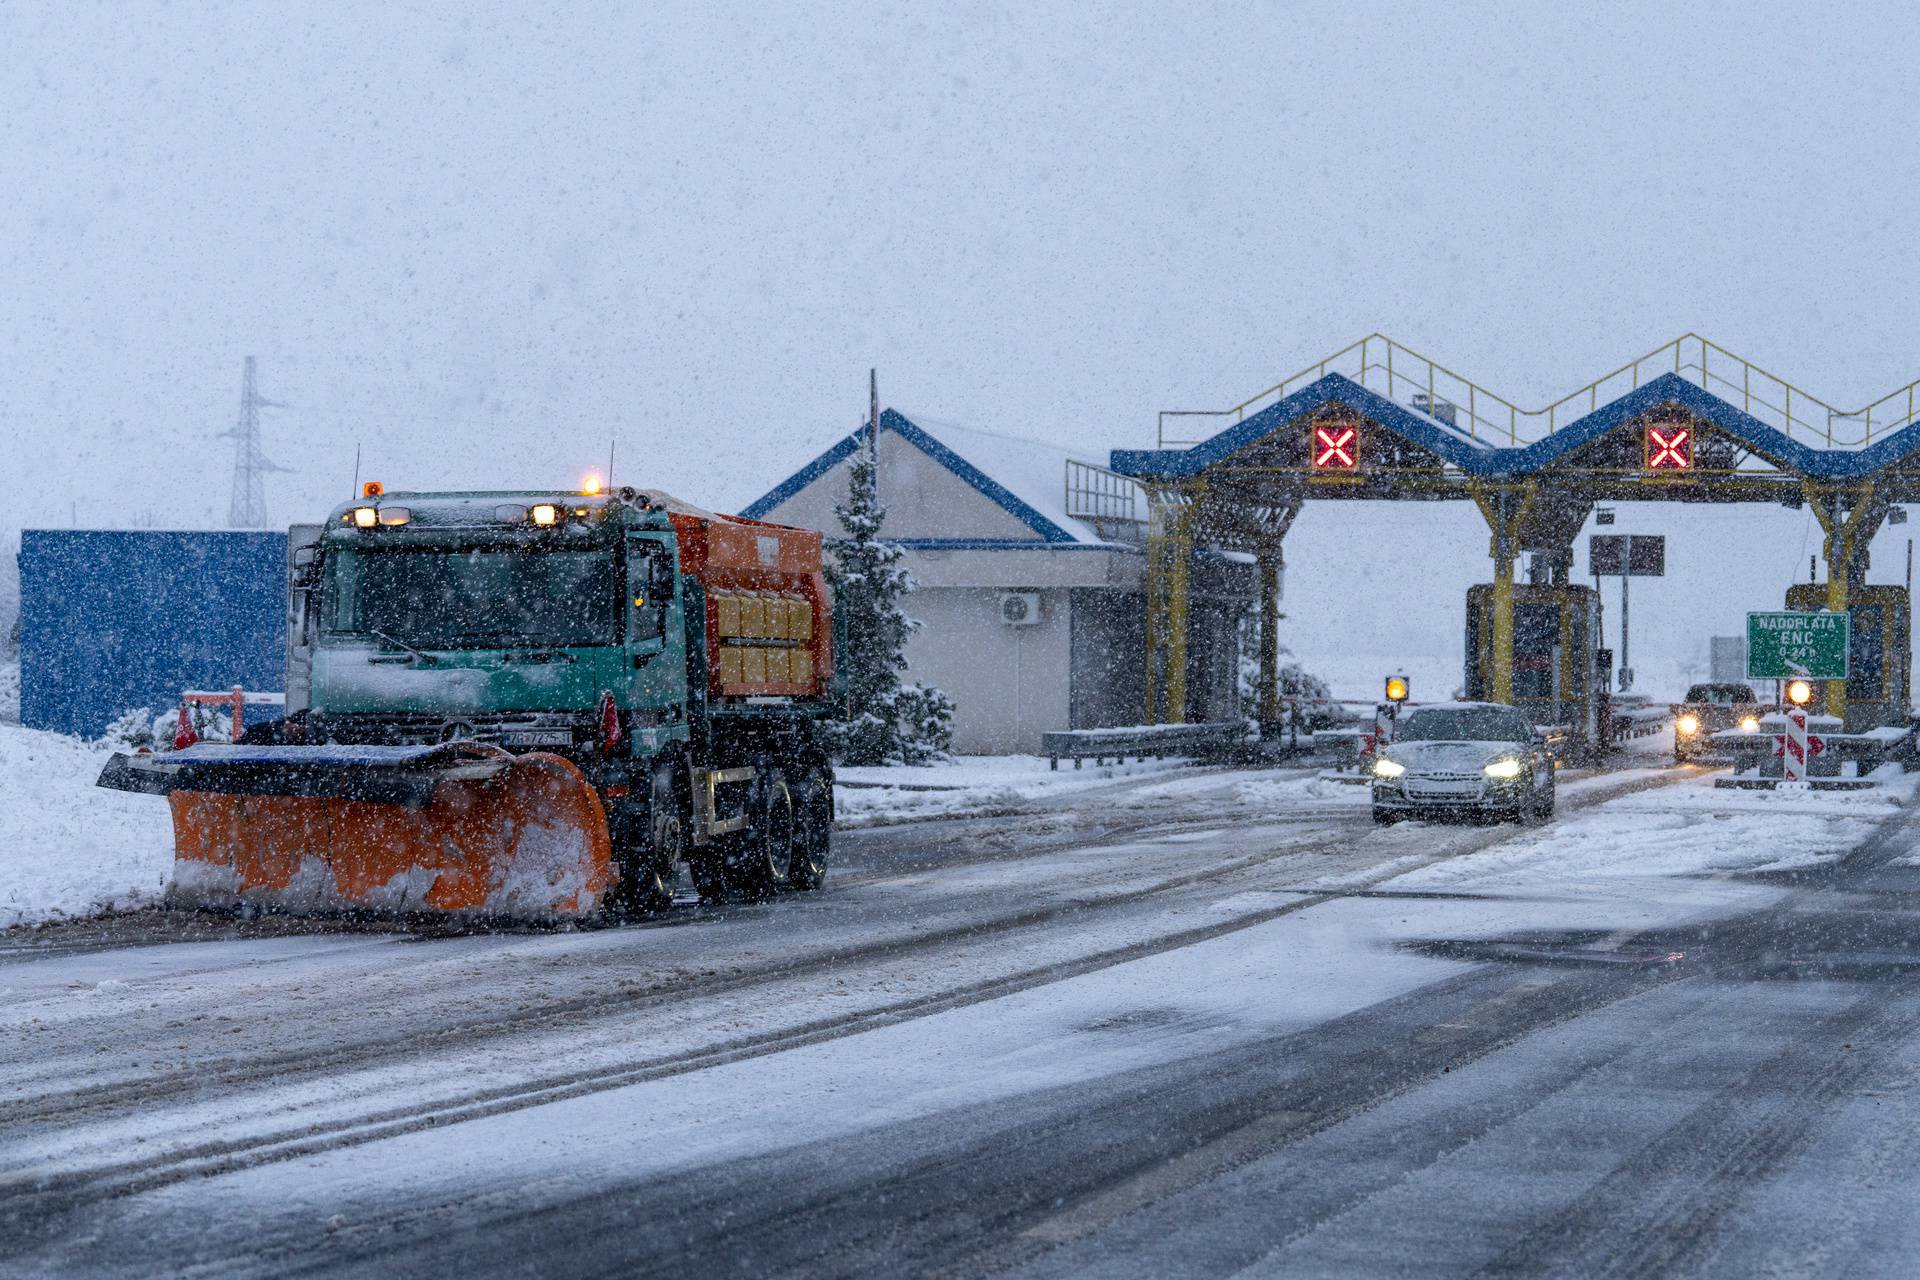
(881, 721)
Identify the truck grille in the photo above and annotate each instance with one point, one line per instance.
(520, 731)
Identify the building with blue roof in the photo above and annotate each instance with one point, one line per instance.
(1031, 570)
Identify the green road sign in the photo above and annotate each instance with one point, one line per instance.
(1812, 646)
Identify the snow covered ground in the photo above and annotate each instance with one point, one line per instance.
(1691, 830)
(1146, 934)
(971, 785)
(68, 848)
(9, 693)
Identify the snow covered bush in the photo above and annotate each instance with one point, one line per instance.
(133, 729)
(1291, 680)
(925, 718)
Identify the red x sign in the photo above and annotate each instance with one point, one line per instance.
(1669, 448)
(1336, 448)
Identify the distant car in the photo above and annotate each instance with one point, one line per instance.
(1466, 759)
(1709, 708)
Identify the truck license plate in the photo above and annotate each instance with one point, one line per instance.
(540, 738)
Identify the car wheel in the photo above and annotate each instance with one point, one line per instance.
(1384, 817)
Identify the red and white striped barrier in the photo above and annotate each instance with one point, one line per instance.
(1793, 747)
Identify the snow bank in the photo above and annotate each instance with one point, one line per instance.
(68, 848)
(970, 785)
(1692, 829)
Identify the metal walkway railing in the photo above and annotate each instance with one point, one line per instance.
(1115, 505)
(1406, 377)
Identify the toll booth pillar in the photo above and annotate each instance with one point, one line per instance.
(1155, 586)
(1505, 508)
(1849, 518)
(1169, 568)
(1267, 564)
(1179, 572)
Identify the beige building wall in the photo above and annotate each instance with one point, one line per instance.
(923, 499)
(1008, 684)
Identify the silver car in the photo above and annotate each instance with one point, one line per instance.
(1465, 759)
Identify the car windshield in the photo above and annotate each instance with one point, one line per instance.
(1464, 724)
(1720, 695)
(479, 599)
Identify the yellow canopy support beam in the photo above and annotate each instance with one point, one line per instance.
(1179, 574)
(1506, 508)
(1847, 533)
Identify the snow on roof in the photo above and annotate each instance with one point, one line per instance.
(1033, 471)
(1026, 478)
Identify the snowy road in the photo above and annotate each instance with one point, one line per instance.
(1188, 1025)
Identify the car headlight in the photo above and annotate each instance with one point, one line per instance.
(1689, 724)
(1750, 724)
(1507, 768)
(1385, 768)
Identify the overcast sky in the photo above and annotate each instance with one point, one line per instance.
(482, 243)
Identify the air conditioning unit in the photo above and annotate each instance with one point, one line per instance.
(1020, 608)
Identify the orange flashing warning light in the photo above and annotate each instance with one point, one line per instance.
(591, 485)
(1397, 689)
(371, 489)
(1799, 692)
(1670, 448)
(1336, 448)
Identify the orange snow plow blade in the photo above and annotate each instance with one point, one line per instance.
(480, 833)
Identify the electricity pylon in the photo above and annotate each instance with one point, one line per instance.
(248, 507)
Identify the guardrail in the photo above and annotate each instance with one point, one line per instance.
(1754, 753)
(1140, 742)
(1631, 721)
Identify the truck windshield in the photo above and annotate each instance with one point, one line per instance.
(480, 599)
(1463, 724)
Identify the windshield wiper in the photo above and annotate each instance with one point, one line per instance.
(426, 659)
(519, 645)
(541, 655)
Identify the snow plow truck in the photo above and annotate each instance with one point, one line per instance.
(522, 706)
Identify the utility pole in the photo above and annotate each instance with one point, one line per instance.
(1626, 655)
(247, 509)
(873, 425)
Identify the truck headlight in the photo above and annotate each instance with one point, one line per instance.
(1388, 769)
(1503, 769)
(1750, 724)
(1689, 723)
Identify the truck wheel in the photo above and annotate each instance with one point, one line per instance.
(645, 857)
(760, 863)
(709, 870)
(813, 805)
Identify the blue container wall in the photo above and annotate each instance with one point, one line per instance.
(110, 621)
